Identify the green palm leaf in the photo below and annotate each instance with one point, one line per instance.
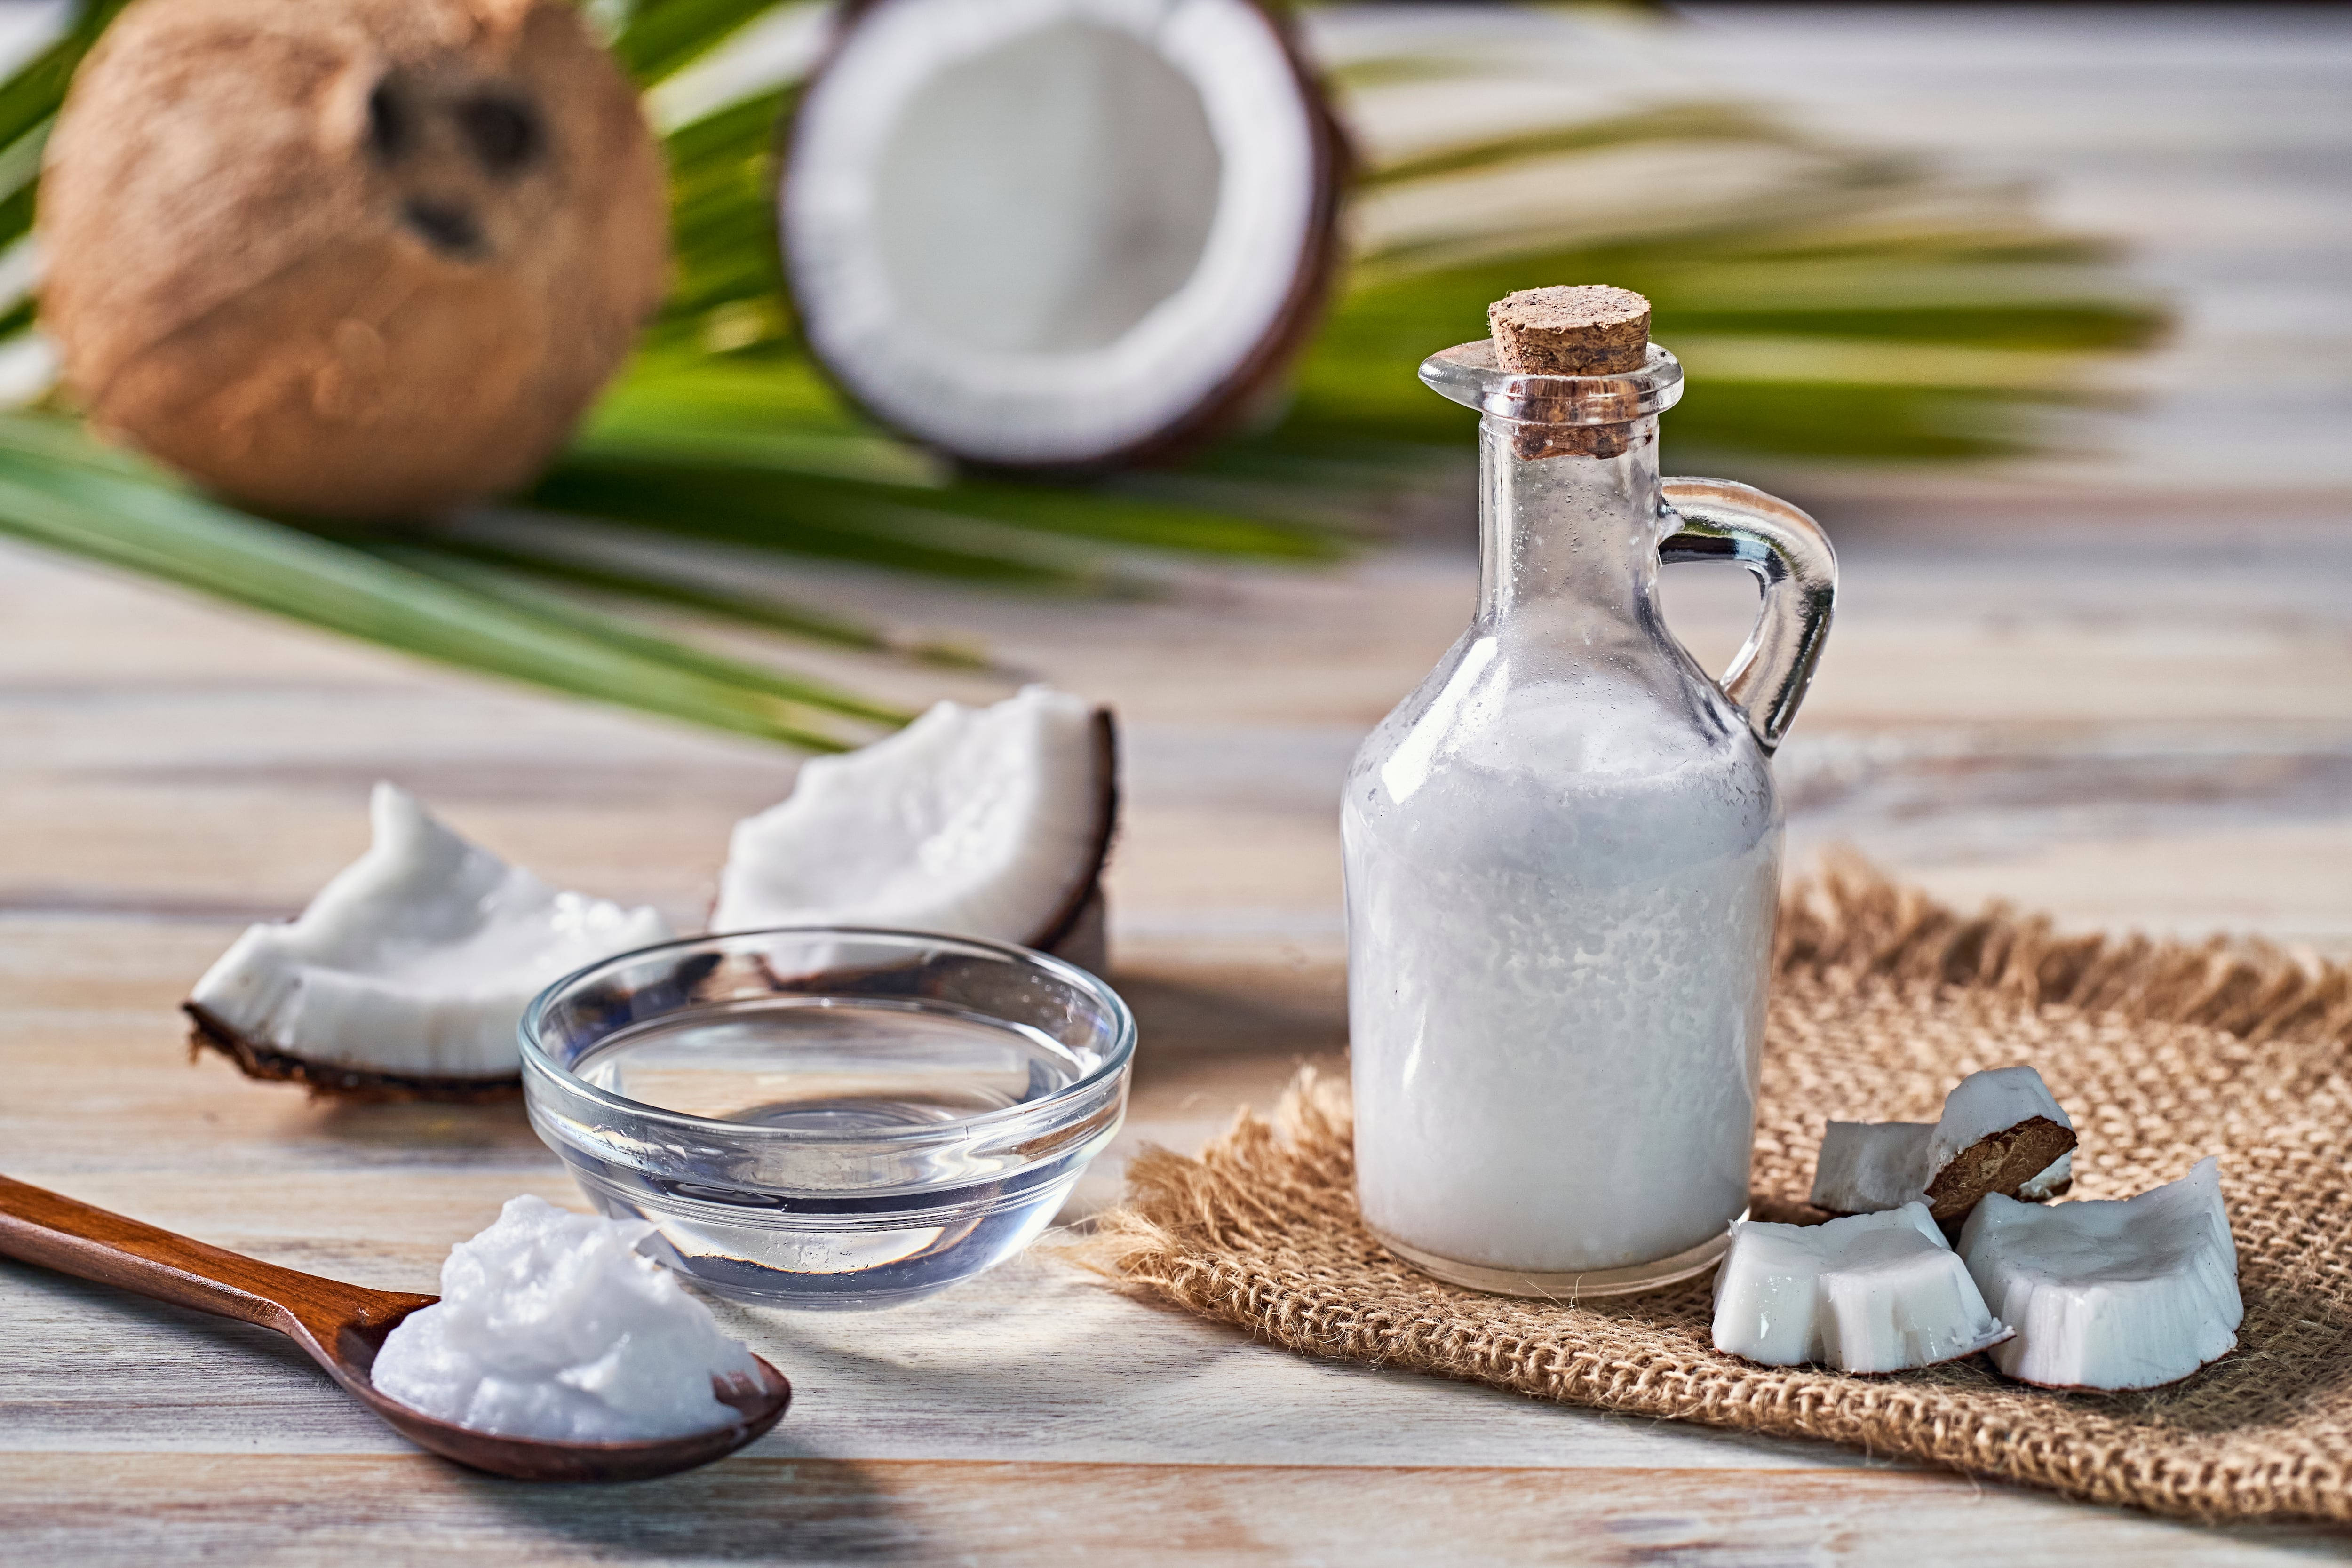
(59, 490)
(1842, 304)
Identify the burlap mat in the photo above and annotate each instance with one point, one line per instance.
(2161, 1053)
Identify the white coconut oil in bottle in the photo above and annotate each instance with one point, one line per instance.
(1563, 858)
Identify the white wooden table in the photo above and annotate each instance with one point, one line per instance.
(2125, 701)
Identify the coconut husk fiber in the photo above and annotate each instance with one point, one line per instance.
(2161, 1052)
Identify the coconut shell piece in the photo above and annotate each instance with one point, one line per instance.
(358, 259)
(327, 1080)
(1079, 930)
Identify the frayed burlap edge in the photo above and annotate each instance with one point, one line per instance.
(1260, 1231)
(1851, 918)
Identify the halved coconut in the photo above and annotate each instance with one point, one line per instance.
(408, 974)
(1060, 232)
(986, 822)
(1871, 1293)
(2001, 1131)
(2116, 1293)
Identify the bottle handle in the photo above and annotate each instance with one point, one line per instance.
(1718, 519)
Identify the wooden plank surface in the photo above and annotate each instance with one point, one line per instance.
(175, 770)
(2126, 702)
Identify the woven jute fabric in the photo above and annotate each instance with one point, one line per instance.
(2161, 1053)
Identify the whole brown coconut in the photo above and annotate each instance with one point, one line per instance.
(362, 258)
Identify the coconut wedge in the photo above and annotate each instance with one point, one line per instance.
(1868, 1166)
(406, 976)
(1060, 232)
(981, 822)
(2001, 1131)
(1871, 1293)
(2118, 1293)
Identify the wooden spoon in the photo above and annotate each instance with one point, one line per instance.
(343, 1327)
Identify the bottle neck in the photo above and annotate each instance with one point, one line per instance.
(1575, 532)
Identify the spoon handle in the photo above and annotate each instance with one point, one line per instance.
(72, 1238)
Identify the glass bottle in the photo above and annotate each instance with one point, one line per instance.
(1563, 858)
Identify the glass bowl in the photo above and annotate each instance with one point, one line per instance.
(829, 1118)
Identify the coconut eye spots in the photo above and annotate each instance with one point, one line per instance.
(390, 132)
(496, 129)
(502, 132)
(490, 132)
(447, 226)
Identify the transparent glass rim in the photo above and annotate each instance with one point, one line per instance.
(1467, 374)
(1115, 1061)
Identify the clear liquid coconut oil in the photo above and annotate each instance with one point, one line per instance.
(1563, 858)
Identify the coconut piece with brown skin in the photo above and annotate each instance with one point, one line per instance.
(2001, 1131)
(976, 822)
(359, 259)
(406, 976)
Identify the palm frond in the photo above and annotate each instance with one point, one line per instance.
(1831, 302)
(654, 587)
(59, 490)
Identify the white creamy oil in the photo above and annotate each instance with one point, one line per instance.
(1563, 847)
(552, 1325)
(1560, 920)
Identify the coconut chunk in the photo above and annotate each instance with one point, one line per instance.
(1871, 1293)
(2115, 1293)
(980, 822)
(2001, 1131)
(414, 962)
(1868, 1166)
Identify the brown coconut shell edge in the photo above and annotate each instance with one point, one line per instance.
(1232, 401)
(1076, 932)
(2001, 1164)
(330, 1080)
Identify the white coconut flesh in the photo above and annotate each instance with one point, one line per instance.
(2110, 1294)
(1868, 1166)
(417, 959)
(1053, 232)
(978, 822)
(1871, 1293)
(2051, 1181)
(2002, 1131)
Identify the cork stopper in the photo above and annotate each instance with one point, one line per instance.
(1580, 328)
(1571, 328)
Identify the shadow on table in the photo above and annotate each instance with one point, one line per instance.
(416, 1132)
(777, 1506)
(1186, 1021)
